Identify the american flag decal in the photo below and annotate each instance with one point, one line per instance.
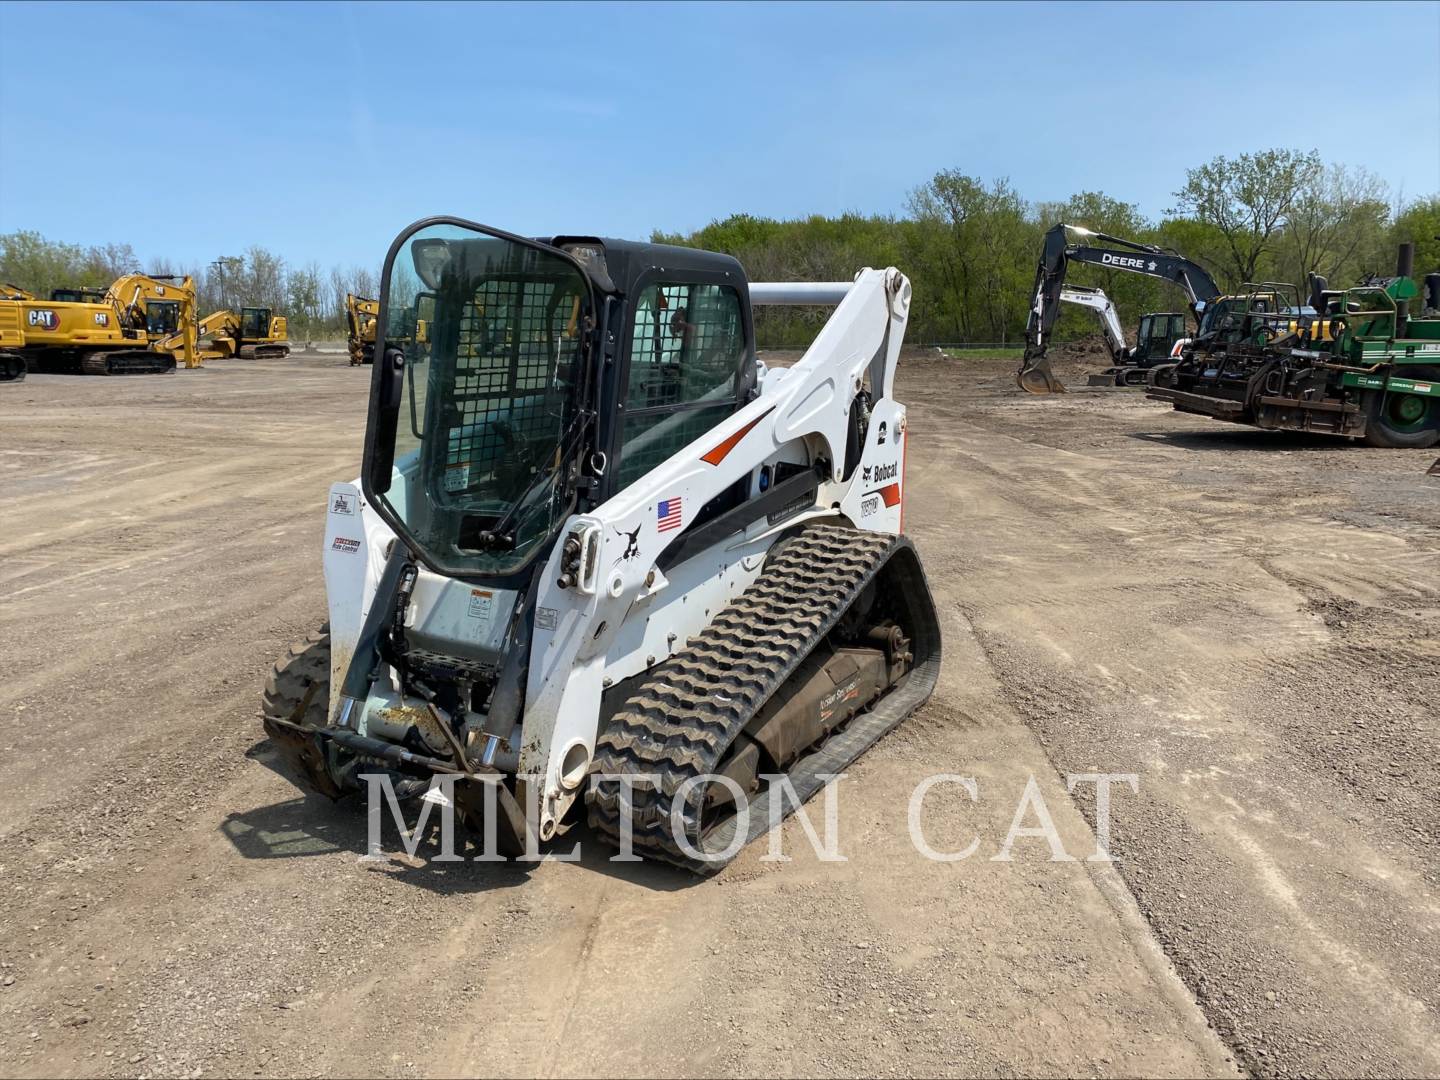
(667, 514)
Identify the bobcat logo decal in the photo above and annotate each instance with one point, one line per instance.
(632, 546)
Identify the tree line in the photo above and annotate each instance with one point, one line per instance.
(312, 299)
(969, 246)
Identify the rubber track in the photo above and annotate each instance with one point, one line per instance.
(683, 719)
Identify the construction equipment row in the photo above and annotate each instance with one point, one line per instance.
(1357, 362)
(1362, 362)
(142, 324)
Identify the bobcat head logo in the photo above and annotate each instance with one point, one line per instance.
(632, 546)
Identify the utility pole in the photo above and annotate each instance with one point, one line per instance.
(218, 269)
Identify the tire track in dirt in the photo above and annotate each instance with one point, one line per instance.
(1241, 859)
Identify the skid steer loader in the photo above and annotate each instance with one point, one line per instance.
(600, 557)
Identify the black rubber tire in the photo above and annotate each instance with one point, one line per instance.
(305, 664)
(1380, 432)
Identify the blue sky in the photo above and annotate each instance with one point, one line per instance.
(319, 131)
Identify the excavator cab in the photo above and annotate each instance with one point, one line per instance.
(254, 323)
(162, 317)
(1158, 333)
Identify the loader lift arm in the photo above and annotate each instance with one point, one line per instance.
(1065, 244)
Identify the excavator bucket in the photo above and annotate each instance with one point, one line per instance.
(1035, 376)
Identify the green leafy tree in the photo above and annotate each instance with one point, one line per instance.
(1418, 224)
(1338, 220)
(1249, 199)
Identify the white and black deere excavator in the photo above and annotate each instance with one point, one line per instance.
(597, 543)
(1159, 331)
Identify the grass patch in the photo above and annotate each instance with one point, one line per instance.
(985, 354)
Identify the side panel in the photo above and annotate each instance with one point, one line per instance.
(676, 607)
(874, 500)
(577, 631)
(354, 557)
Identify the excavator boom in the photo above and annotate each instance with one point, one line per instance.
(1065, 244)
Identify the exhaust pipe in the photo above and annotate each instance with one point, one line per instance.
(1404, 267)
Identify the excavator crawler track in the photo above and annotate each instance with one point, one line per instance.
(688, 713)
(127, 362)
(264, 352)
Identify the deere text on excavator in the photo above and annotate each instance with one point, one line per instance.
(600, 556)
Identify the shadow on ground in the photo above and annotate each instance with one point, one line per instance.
(1246, 438)
(310, 825)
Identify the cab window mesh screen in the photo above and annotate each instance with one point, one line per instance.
(503, 399)
(651, 438)
(686, 347)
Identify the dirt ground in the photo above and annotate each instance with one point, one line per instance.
(1248, 622)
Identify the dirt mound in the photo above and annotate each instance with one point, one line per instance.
(1081, 356)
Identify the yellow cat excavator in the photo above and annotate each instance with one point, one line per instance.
(254, 334)
(85, 331)
(361, 316)
(12, 365)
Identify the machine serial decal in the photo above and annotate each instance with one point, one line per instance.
(482, 604)
(667, 514)
(343, 504)
(547, 618)
(889, 495)
(345, 544)
(719, 453)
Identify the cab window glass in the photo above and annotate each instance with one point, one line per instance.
(687, 346)
(162, 317)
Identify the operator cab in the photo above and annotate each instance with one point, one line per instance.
(162, 317)
(254, 323)
(558, 371)
(1158, 333)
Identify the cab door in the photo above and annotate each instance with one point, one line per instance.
(685, 351)
(254, 324)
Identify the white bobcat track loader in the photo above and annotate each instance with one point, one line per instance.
(595, 538)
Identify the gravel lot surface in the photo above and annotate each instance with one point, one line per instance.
(1248, 622)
